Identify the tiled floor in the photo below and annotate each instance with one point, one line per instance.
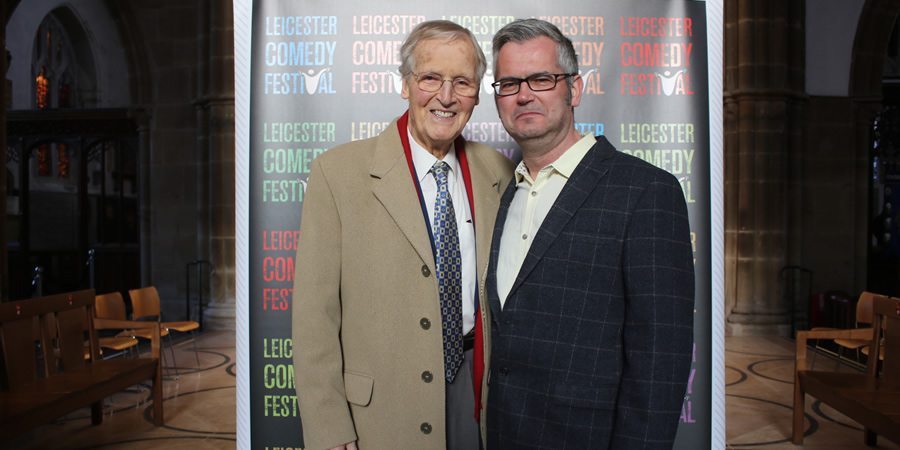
(200, 405)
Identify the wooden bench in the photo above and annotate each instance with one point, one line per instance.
(46, 371)
(870, 399)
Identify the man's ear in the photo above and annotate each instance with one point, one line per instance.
(404, 92)
(577, 89)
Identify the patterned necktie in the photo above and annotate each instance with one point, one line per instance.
(448, 263)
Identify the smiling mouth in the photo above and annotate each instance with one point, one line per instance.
(443, 114)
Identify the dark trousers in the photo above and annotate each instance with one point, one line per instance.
(462, 429)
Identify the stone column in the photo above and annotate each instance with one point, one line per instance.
(764, 104)
(219, 167)
(4, 258)
(146, 172)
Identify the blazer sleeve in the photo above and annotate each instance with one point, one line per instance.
(316, 314)
(659, 304)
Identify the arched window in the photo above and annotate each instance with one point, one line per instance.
(54, 66)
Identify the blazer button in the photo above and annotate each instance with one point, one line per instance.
(504, 371)
(425, 323)
(425, 272)
(427, 376)
(426, 428)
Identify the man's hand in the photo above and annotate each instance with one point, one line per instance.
(347, 446)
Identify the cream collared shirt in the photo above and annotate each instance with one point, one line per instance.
(529, 207)
(422, 162)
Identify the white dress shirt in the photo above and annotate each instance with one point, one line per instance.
(422, 162)
(529, 207)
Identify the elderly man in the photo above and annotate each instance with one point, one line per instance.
(591, 280)
(399, 228)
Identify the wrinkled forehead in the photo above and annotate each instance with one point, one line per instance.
(446, 57)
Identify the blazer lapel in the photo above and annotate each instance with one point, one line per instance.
(486, 195)
(577, 189)
(491, 283)
(396, 191)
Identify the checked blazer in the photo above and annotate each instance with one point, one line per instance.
(593, 346)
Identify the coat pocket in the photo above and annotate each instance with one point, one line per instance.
(583, 396)
(358, 388)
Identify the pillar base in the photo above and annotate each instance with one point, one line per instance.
(219, 316)
(748, 324)
(746, 329)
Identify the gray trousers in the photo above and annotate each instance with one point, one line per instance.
(462, 429)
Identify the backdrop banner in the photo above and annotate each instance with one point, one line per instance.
(313, 74)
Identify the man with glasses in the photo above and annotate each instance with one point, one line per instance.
(396, 231)
(591, 279)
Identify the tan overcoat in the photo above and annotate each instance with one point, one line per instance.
(366, 315)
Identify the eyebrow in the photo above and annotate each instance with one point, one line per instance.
(526, 76)
(438, 73)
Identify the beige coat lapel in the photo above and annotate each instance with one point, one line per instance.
(396, 190)
(486, 192)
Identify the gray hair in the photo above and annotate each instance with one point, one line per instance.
(523, 30)
(439, 29)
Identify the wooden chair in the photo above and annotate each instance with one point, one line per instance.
(104, 307)
(864, 316)
(145, 302)
(870, 398)
(112, 306)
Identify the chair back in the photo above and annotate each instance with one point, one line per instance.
(887, 317)
(865, 309)
(110, 306)
(145, 302)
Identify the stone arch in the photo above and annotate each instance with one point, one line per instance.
(872, 34)
(100, 44)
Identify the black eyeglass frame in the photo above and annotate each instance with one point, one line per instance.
(496, 84)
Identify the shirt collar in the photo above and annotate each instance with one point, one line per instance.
(567, 162)
(423, 160)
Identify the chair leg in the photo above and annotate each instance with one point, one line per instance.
(870, 438)
(196, 354)
(172, 351)
(165, 361)
(837, 365)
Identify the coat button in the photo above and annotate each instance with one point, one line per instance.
(426, 428)
(504, 371)
(427, 376)
(425, 323)
(425, 272)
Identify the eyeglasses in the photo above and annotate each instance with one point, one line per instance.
(537, 82)
(432, 82)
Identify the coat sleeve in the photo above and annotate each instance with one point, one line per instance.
(316, 313)
(658, 331)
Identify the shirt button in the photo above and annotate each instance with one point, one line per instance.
(427, 376)
(425, 323)
(426, 428)
(524, 236)
(425, 272)
(534, 193)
